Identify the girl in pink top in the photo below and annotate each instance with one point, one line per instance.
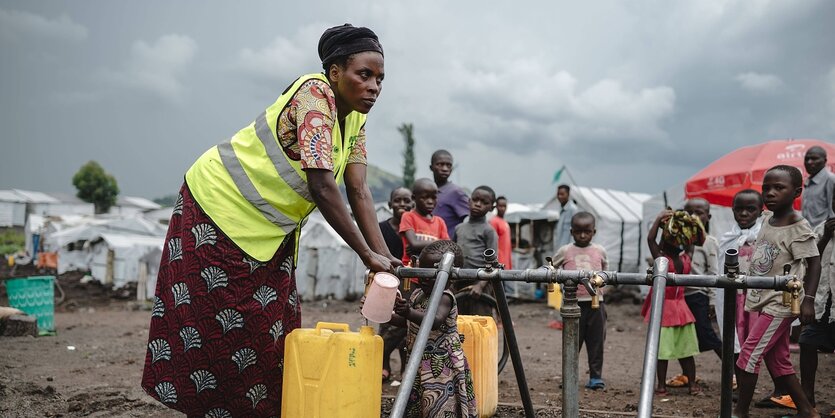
(678, 331)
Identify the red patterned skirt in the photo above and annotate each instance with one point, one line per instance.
(216, 340)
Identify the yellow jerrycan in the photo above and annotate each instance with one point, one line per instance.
(481, 347)
(332, 374)
(555, 297)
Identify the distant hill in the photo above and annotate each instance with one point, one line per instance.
(380, 182)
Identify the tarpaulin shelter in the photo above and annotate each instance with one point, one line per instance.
(745, 168)
(618, 221)
(532, 231)
(327, 266)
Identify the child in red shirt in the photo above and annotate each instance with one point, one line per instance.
(419, 227)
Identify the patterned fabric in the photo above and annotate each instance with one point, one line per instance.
(304, 128)
(683, 229)
(216, 340)
(444, 385)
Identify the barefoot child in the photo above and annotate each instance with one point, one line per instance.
(444, 385)
(583, 255)
(785, 238)
(678, 331)
(474, 236)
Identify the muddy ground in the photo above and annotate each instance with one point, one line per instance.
(100, 376)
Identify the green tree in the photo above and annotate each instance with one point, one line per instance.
(407, 130)
(96, 186)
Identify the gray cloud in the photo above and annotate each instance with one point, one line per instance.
(636, 95)
(18, 25)
(158, 68)
(760, 83)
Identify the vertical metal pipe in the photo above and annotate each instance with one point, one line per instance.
(515, 357)
(659, 284)
(399, 408)
(728, 336)
(570, 312)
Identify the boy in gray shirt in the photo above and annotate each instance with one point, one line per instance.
(474, 236)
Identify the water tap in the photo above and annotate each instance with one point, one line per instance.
(596, 283)
(549, 265)
(791, 296)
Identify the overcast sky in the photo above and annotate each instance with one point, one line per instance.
(632, 95)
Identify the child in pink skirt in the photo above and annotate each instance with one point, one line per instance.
(678, 331)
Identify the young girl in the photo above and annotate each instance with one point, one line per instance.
(444, 385)
(678, 331)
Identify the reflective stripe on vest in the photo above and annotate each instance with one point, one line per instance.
(247, 189)
(279, 159)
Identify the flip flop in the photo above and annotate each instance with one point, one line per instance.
(661, 392)
(386, 375)
(784, 401)
(766, 403)
(595, 384)
(679, 381)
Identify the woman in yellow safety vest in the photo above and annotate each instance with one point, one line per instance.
(226, 293)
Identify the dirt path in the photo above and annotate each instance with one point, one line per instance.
(100, 376)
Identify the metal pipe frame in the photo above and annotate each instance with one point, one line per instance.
(659, 284)
(659, 278)
(546, 275)
(399, 408)
(728, 336)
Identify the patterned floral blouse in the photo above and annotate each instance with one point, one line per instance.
(305, 126)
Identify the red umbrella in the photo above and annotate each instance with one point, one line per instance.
(745, 168)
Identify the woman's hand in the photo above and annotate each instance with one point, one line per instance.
(377, 262)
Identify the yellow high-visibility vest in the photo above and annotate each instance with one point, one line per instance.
(252, 190)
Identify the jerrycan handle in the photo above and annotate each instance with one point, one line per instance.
(333, 326)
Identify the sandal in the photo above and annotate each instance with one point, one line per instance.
(595, 384)
(661, 392)
(386, 375)
(696, 391)
(784, 400)
(679, 381)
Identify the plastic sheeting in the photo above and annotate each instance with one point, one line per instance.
(327, 266)
(618, 221)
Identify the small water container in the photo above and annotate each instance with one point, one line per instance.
(332, 374)
(555, 297)
(481, 347)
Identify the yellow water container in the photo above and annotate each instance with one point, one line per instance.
(332, 374)
(481, 347)
(555, 297)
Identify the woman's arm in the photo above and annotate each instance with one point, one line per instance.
(326, 195)
(359, 196)
(402, 308)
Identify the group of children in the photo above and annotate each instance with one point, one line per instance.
(765, 242)
(768, 244)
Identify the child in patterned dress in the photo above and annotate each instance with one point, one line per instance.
(444, 385)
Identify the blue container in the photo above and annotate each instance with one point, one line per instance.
(36, 297)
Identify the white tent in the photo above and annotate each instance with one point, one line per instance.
(12, 209)
(619, 216)
(722, 218)
(327, 266)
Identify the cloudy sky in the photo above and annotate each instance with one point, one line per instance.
(630, 95)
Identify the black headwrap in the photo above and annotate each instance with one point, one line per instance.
(342, 41)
